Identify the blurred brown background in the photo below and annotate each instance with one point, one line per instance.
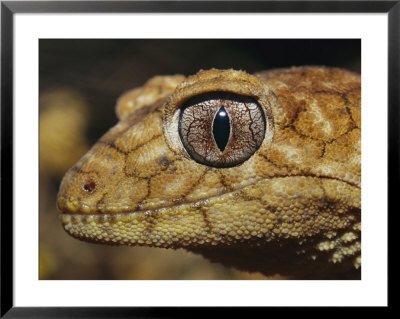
(80, 81)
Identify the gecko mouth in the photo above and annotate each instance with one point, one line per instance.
(261, 209)
(74, 211)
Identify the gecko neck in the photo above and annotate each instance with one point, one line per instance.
(286, 259)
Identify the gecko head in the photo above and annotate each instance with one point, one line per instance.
(168, 162)
(192, 163)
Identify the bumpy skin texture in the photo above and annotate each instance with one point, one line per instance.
(293, 207)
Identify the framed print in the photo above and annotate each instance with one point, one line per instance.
(164, 154)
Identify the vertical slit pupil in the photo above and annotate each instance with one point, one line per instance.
(221, 128)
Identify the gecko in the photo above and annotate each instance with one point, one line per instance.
(260, 172)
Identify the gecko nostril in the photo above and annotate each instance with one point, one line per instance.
(89, 186)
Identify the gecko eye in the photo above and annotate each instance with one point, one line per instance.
(221, 129)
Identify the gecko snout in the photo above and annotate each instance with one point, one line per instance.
(79, 192)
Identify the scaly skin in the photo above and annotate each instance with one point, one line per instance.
(293, 208)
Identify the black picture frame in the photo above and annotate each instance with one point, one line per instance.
(9, 8)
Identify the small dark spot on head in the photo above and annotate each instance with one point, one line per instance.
(112, 219)
(272, 209)
(100, 219)
(178, 200)
(89, 186)
(328, 203)
(164, 161)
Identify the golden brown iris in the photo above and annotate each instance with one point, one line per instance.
(221, 129)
